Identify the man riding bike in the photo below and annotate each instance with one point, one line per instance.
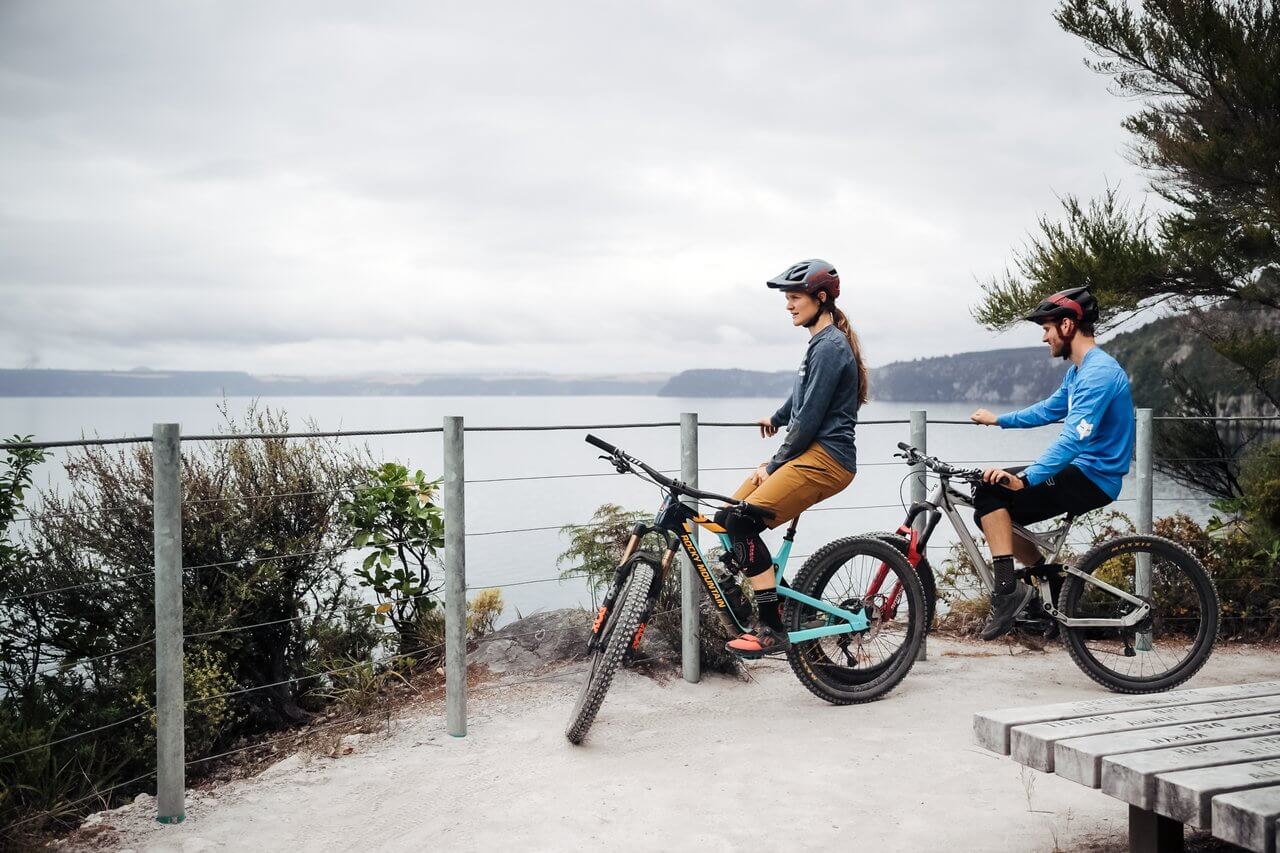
(818, 457)
(1081, 471)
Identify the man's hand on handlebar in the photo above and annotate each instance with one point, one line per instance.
(1001, 477)
(984, 417)
(767, 429)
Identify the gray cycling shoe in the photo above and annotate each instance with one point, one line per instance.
(1005, 609)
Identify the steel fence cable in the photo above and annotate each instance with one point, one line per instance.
(107, 579)
(364, 608)
(264, 496)
(335, 671)
(1261, 418)
(338, 433)
(318, 552)
(570, 427)
(79, 735)
(862, 506)
(42, 514)
(83, 442)
(61, 664)
(482, 586)
(95, 795)
(756, 424)
(267, 559)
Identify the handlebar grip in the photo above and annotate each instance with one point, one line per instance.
(602, 444)
(902, 445)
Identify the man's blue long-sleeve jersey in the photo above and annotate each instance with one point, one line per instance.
(1096, 408)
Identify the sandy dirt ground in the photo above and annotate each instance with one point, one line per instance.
(721, 765)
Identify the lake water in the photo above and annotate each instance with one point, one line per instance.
(872, 502)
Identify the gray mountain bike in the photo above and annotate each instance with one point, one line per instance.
(1139, 614)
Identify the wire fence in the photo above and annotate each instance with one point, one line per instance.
(321, 679)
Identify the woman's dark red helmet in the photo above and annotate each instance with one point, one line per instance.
(1076, 304)
(808, 276)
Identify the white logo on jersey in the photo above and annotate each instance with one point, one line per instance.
(1083, 429)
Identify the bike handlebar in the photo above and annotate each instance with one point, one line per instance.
(914, 457)
(602, 444)
(658, 476)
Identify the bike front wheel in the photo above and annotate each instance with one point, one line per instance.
(616, 634)
(858, 575)
(1167, 647)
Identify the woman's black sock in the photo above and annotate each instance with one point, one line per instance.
(767, 603)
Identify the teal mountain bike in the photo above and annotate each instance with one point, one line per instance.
(855, 613)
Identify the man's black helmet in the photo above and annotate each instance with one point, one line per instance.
(809, 276)
(1076, 304)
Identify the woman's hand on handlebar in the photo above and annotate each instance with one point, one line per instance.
(983, 417)
(1001, 477)
(767, 429)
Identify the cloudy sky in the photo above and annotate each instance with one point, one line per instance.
(324, 187)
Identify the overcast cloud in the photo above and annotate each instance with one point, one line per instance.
(312, 187)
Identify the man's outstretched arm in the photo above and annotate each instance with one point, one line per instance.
(1048, 411)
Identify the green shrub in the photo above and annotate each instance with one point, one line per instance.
(264, 555)
(394, 518)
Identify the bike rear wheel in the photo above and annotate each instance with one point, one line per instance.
(845, 669)
(616, 634)
(1165, 649)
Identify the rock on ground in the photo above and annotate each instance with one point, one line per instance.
(533, 643)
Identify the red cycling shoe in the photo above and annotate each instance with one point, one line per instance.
(764, 641)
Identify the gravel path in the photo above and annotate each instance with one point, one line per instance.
(722, 765)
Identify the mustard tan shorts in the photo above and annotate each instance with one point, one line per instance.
(799, 484)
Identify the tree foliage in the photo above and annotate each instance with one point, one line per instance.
(1208, 76)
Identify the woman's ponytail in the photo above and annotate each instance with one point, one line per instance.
(842, 323)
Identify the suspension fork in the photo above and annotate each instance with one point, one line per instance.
(655, 589)
(615, 587)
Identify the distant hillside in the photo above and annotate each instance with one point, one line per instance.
(1148, 353)
(729, 383)
(995, 376)
(156, 383)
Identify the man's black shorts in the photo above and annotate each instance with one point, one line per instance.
(1068, 491)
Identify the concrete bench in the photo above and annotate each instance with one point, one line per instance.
(1208, 757)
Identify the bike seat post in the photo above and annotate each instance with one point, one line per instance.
(790, 535)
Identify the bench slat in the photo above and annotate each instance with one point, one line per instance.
(1248, 818)
(1187, 795)
(1082, 759)
(991, 729)
(1033, 745)
(1132, 777)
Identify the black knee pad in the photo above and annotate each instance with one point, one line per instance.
(738, 523)
(749, 550)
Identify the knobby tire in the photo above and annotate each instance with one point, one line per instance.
(1078, 639)
(615, 637)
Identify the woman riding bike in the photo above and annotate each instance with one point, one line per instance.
(817, 459)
